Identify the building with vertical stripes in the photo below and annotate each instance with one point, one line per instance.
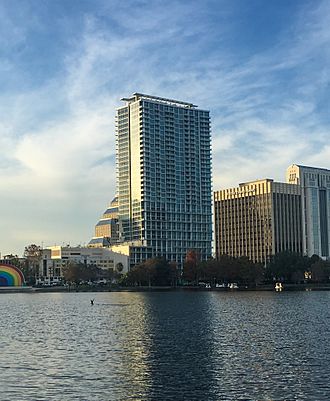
(164, 176)
(258, 219)
(315, 187)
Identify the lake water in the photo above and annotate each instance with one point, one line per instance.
(165, 346)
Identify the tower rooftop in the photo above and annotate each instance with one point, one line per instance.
(171, 102)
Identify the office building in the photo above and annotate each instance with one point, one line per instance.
(258, 219)
(54, 258)
(315, 185)
(164, 176)
(107, 228)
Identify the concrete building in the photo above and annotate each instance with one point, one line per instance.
(134, 251)
(315, 185)
(258, 219)
(55, 257)
(50, 270)
(104, 258)
(107, 228)
(164, 177)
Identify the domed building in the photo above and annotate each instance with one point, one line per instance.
(107, 228)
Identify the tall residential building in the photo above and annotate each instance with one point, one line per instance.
(164, 176)
(315, 184)
(258, 219)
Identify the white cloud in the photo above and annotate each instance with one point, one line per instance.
(56, 138)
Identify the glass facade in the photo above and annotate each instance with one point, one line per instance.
(106, 229)
(164, 176)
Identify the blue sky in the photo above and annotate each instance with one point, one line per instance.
(260, 66)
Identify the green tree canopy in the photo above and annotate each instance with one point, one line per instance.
(191, 267)
(320, 270)
(155, 271)
(75, 272)
(291, 267)
(32, 255)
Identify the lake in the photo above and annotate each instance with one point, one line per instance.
(165, 346)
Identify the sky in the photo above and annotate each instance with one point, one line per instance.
(260, 66)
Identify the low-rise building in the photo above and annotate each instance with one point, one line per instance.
(56, 257)
(104, 258)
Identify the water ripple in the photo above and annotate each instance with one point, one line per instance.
(165, 346)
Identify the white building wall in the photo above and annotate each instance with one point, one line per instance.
(316, 227)
(101, 257)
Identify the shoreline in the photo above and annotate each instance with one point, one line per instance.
(269, 288)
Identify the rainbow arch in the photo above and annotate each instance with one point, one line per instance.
(11, 276)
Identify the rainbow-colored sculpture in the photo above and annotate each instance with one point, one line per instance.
(11, 276)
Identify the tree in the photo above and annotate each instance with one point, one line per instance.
(154, 271)
(33, 252)
(229, 269)
(191, 268)
(320, 271)
(33, 255)
(72, 272)
(174, 273)
(210, 271)
(249, 273)
(14, 260)
(139, 275)
(161, 271)
(287, 266)
(75, 272)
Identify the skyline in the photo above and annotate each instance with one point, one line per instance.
(260, 68)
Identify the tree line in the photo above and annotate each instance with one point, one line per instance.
(152, 272)
(290, 267)
(77, 273)
(285, 267)
(160, 272)
(72, 272)
(226, 270)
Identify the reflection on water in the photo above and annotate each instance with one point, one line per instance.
(165, 346)
(180, 346)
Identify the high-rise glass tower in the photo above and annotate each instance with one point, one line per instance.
(164, 176)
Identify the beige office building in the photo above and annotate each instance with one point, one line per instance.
(258, 219)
